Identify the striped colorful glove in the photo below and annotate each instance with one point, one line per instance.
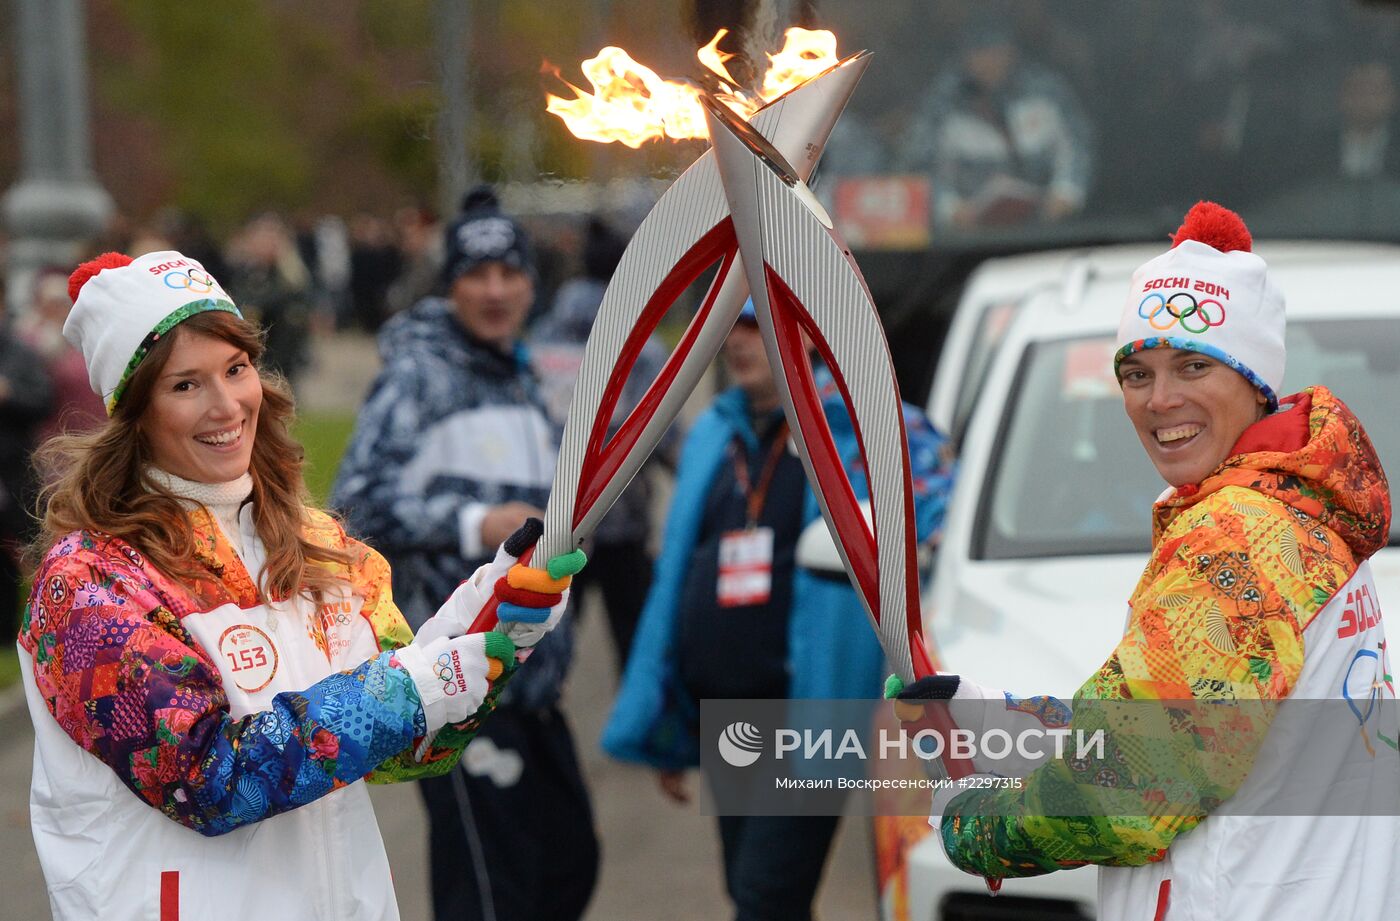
(531, 600)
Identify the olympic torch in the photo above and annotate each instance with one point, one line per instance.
(745, 205)
(808, 290)
(687, 231)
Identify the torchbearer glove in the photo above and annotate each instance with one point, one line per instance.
(453, 674)
(909, 699)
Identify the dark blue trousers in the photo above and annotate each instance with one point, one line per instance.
(773, 864)
(511, 828)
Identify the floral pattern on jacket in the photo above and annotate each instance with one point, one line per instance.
(1239, 566)
(127, 682)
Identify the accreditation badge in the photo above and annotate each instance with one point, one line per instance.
(745, 567)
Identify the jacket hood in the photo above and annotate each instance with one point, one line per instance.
(1314, 456)
(732, 406)
(430, 329)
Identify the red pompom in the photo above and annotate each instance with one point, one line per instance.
(1214, 225)
(90, 268)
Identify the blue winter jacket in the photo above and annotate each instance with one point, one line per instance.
(832, 651)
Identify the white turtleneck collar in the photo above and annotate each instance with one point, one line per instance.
(223, 500)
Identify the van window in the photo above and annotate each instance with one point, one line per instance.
(1068, 476)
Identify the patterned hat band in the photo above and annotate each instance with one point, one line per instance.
(1192, 345)
(122, 306)
(169, 322)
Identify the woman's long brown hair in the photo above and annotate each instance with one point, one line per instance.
(97, 480)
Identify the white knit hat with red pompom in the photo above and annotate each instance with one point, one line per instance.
(123, 306)
(1209, 294)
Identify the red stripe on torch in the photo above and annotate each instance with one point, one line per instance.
(790, 320)
(603, 457)
(788, 316)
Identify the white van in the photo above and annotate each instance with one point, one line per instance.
(989, 301)
(1049, 525)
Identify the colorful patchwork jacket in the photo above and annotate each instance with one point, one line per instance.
(244, 721)
(1257, 591)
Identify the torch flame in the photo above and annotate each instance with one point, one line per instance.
(805, 54)
(715, 59)
(631, 104)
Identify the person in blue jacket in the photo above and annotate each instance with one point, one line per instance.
(707, 632)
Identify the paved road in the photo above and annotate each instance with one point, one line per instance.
(21, 885)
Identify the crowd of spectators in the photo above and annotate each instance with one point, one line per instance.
(295, 276)
(299, 278)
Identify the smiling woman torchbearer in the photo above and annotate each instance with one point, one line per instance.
(1258, 590)
(212, 666)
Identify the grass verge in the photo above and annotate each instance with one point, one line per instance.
(9, 665)
(324, 435)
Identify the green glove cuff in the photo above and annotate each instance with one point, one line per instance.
(893, 686)
(567, 564)
(499, 647)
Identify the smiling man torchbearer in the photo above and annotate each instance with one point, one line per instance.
(1249, 599)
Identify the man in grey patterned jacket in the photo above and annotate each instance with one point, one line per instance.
(451, 452)
(1003, 140)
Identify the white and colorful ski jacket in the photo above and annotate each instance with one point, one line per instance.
(198, 750)
(1257, 592)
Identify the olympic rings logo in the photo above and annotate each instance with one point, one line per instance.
(194, 281)
(447, 674)
(1372, 692)
(1182, 308)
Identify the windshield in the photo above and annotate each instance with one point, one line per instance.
(1068, 475)
(1039, 123)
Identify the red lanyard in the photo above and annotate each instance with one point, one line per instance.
(754, 498)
